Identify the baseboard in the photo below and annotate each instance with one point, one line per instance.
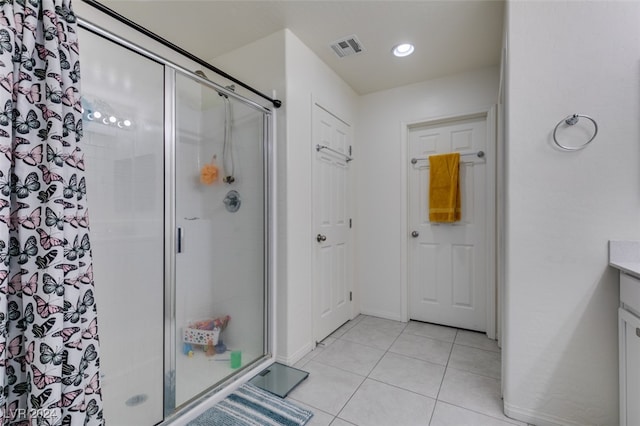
(296, 356)
(535, 417)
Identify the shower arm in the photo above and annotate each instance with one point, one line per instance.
(115, 15)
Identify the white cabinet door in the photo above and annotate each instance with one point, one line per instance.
(629, 368)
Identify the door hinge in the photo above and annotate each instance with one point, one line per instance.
(350, 150)
(350, 296)
(350, 223)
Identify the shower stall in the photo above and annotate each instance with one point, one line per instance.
(177, 181)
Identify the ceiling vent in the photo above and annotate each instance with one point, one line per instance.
(347, 46)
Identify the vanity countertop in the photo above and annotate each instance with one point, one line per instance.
(625, 256)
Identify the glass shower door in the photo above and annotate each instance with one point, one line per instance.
(220, 218)
(124, 151)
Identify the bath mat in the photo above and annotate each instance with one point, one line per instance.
(252, 406)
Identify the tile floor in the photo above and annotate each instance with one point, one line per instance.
(373, 371)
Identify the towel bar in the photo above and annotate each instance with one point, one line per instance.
(478, 154)
(348, 158)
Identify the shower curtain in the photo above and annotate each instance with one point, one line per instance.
(49, 365)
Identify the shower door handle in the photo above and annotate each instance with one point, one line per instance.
(179, 237)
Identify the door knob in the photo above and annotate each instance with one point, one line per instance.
(320, 238)
(415, 234)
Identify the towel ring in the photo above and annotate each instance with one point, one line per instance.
(570, 121)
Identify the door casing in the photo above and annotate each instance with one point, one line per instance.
(491, 290)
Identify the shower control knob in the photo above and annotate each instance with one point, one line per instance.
(415, 234)
(320, 238)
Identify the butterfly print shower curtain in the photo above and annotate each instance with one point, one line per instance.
(48, 327)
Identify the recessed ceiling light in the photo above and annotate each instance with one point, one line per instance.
(404, 49)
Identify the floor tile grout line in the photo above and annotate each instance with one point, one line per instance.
(352, 343)
(339, 368)
(431, 338)
(401, 388)
(416, 358)
(473, 371)
(427, 337)
(351, 397)
(509, 420)
(475, 374)
(443, 376)
(364, 344)
(367, 377)
(352, 323)
(413, 358)
(311, 406)
(475, 347)
(388, 350)
(396, 339)
(371, 346)
(438, 326)
(356, 390)
(341, 419)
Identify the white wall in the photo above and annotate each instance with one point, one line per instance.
(379, 181)
(560, 338)
(308, 79)
(260, 64)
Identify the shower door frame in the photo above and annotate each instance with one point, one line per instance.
(220, 389)
(171, 235)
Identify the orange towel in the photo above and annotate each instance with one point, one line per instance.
(444, 188)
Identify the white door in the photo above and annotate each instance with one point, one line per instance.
(448, 263)
(331, 219)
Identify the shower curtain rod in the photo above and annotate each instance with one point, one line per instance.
(276, 102)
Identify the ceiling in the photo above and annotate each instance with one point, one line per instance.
(450, 36)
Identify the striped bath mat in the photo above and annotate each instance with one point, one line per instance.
(252, 406)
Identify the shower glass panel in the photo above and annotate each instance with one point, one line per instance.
(220, 264)
(124, 154)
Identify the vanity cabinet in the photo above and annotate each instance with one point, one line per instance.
(629, 341)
